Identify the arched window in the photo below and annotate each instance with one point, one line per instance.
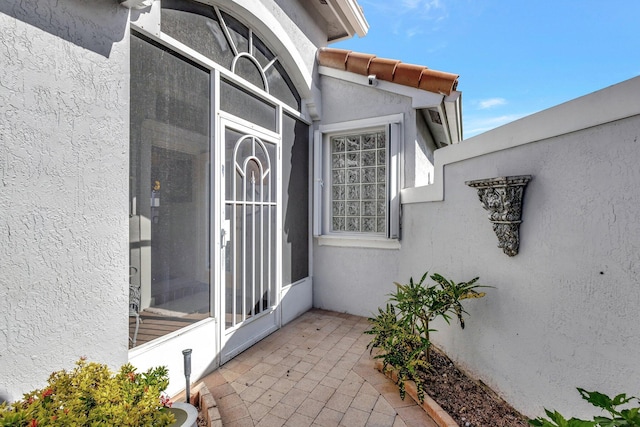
(225, 40)
(185, 111)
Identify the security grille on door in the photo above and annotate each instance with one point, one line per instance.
(251, 215)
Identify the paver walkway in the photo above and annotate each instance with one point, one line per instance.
(315, 371)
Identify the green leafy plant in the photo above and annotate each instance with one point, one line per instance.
(401, 331)
(403, 350)
(90, 395)
(629, 417)
(420, 304)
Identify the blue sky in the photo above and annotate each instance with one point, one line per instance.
(514, 57)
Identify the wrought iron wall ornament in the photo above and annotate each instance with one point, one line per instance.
(502, 197)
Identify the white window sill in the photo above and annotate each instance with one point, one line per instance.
(359, 242)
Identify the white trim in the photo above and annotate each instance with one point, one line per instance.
(394, 164)
(248, 320)
(453, 114)
(192, 55)
(354, 15)
(311, 199)
(136, 4)
(359, 242)
(267, 26)
(419, 98)
(604, 106)
(362, 123)
(227, 36)
(278, 265)
(318, 183)
(217, 212)
(147, 20)
(393, 125)
(162, 340)
(255, 62)
(296, 283)
(257, 129)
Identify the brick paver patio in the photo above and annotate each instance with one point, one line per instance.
(315, 371)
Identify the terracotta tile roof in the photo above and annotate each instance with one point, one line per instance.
(390, 70)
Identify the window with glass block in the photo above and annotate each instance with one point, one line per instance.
(359, 182)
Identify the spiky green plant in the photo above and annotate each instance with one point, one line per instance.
(420, 304)
(402, 330)
(402, 349)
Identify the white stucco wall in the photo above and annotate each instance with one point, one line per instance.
(348, 278)
(423, 159)
(64, 110)
(353, 280)
(563, 313)
(345, 278)
(344, 100)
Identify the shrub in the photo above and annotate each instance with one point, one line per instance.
(90, 395)
(619, 417)
(401, 331)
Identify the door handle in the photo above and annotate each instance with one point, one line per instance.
(225, 233)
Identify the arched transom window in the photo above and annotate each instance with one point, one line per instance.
(225, 40)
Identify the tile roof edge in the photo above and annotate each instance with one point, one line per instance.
(391, 70)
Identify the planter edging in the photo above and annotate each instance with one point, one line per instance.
(430, 406)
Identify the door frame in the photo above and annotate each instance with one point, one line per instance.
(233, 341)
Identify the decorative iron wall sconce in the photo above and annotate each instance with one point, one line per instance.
(502, 197)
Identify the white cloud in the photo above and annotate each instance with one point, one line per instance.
(476, 125)
(413, 31)
(411, 4)
(423, 8)
(409, 19)
(421, 4)
(491, 102)
(411, 9)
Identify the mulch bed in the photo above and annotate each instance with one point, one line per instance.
(470, 403)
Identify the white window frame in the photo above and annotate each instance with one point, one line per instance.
(393, 126)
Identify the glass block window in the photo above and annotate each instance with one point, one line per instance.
(359, 182)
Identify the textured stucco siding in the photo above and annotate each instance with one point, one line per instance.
(343, 101)
(563, 313)
(346, 279)
(64, 129)
(304, 25)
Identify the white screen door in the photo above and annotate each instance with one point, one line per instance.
(249, 291)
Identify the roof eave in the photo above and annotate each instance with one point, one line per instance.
(391, 70)
(352, 19)
(448, 106)
(453, 108)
